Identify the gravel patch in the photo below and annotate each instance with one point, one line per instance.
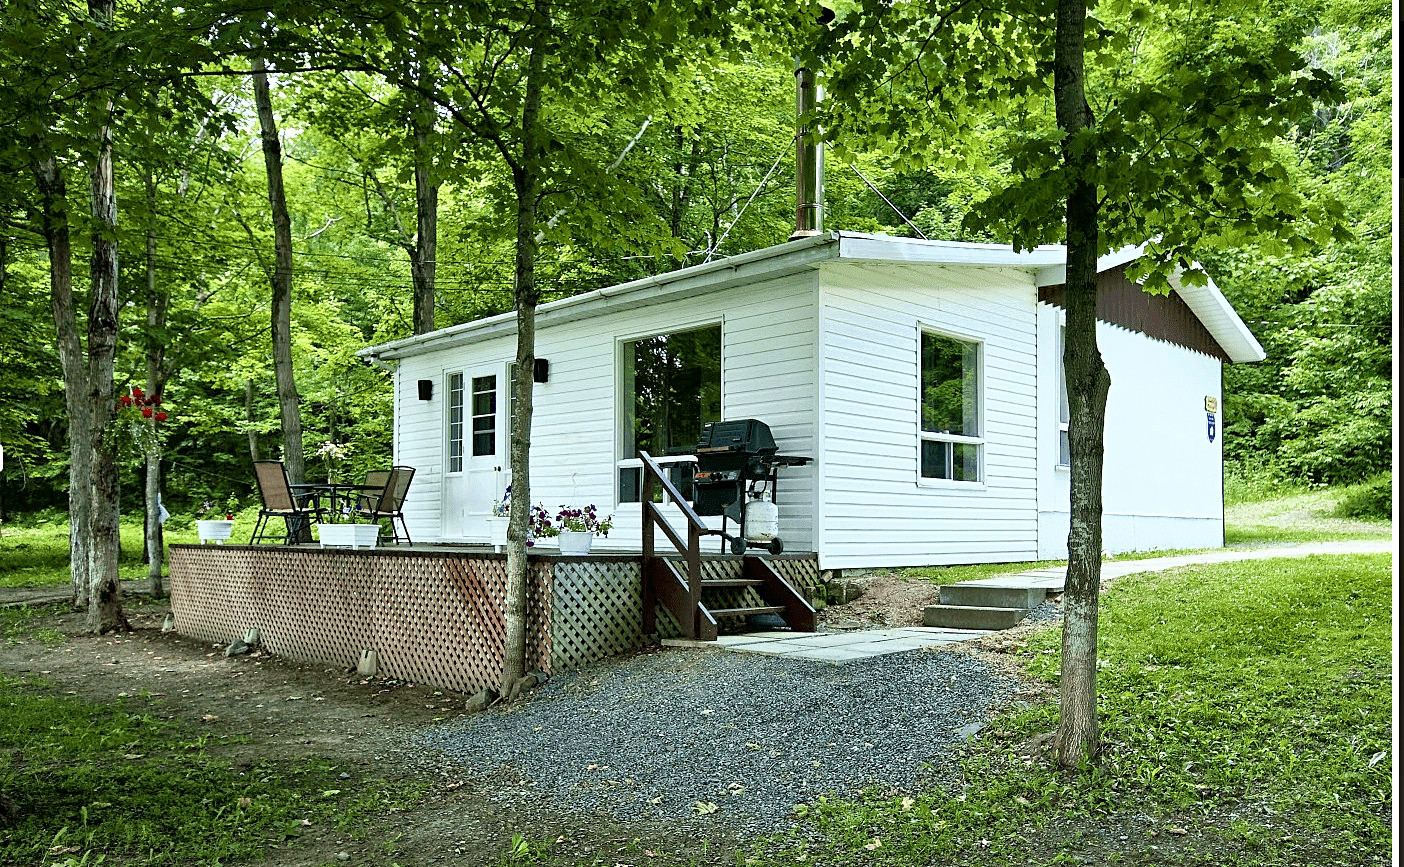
(1048, 612)
(706, 737)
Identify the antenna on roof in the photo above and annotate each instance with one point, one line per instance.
(894, 208)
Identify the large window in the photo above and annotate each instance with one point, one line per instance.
(671, 387)
(950, 408)
(455, 422)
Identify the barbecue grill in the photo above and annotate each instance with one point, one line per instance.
(737, 461)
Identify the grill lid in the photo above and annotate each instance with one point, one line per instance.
(747, 435)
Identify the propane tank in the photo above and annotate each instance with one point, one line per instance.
(762, 519)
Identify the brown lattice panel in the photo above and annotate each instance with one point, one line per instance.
(596, 610)
(433, 617)
(800, 572)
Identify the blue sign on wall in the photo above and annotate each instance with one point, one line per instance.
(1212, 425)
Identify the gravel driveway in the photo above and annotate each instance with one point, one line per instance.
(657, 734)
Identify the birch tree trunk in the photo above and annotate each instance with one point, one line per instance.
(53, 200)
(426, 198)
(288, 404)
(105, 599)
(1078, 739)
(526, 180)
(157, 306)
(255, 453)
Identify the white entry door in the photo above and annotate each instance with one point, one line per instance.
(475, 449)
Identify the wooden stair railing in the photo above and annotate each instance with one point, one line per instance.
(795, 609)
(682, 595)
(664, 581)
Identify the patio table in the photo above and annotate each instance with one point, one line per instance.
(341, 498)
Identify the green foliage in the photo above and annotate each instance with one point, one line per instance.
(113, 780)
(1372, 499)
(1263, 694)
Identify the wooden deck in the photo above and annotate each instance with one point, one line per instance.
(434, 614)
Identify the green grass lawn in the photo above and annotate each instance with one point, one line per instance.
(35, 553)
(116, 780)
(1245, 711)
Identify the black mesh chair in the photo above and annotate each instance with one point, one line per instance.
(374, 487)
(389, 505)
(278, 502)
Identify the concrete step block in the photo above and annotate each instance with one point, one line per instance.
(971, 616)
(985, 596)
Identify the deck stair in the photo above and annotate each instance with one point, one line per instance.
(697, 591)
(980, 606)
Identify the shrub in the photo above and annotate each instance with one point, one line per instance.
(1369, 499)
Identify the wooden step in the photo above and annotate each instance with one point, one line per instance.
(745, 612)
(729, 583)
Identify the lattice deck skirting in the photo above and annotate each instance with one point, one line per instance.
(433, 616)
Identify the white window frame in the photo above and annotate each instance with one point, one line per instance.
(471, 416)
(1063, 412)
(924, 436)
(663, 461)
(449, 439)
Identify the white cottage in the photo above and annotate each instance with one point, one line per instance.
(923, 377)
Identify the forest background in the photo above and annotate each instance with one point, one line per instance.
(706, 171)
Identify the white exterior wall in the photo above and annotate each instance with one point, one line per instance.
(876, 509)
(769, 362)
(1162, 482)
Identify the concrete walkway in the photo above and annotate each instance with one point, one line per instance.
(840, 647)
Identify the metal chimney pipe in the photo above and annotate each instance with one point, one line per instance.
(809, 161)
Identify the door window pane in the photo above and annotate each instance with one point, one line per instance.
(455, 423)
(484, 415)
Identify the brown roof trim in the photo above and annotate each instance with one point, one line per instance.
(1164, 317)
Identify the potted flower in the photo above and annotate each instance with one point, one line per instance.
(211, 528)
(540, 525)
(578, 528)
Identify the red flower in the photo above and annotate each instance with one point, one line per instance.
(125, 400)
(156, 400)
(136, 391)
(160, 416)
(147, 412)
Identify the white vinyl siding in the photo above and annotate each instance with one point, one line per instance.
(769, 363)
(877, 510)
(1162, 476)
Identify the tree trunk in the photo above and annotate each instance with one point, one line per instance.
(1088, 382)
(526, 180)
(288, 405)
(426, 200)
(157, 306)
(53, 199)
(105, 600)
(255, 453)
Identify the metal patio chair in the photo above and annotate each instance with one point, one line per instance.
(374, 487)
(279, 502)
(389, 505)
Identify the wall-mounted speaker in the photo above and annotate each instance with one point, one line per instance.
(540, 370)
(426, 389)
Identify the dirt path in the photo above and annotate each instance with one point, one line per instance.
(258, 706)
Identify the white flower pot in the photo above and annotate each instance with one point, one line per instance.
(348, 535)
(214, 531)
(574, 543)
(497, 532)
